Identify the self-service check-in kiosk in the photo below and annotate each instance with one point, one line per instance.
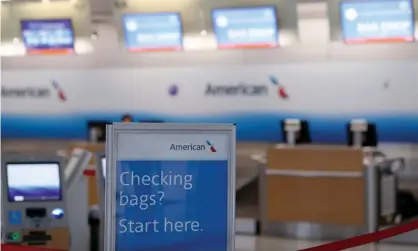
(34, 202)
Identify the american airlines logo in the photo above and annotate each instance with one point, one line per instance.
(237, 90)
(34, 92)
(247, 89)
(193, 147)
(31, 92)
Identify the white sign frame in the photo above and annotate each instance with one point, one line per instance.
(116, 129)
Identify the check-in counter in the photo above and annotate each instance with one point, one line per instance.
(91, 180)
(317, 192)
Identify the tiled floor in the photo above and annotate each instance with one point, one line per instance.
(251, 243)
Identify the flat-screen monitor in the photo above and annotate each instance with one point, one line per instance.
(251, 27)
(103, 161)
(370, 138)
(48, 36)
(374, 21)
(97, 129)
(153, 32)
(33, 182)
(302, 137)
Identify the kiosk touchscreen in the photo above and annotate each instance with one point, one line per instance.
(33, 182)
(34, 201)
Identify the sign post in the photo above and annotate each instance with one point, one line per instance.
(170, 187)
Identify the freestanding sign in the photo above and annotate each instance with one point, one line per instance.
(170, 187)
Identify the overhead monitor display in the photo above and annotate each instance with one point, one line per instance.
(252, 27)
(153, 32)
(104, 166)
(33, 182)
(371, 21)
(49, 36)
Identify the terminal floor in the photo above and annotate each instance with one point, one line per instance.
(252, 243)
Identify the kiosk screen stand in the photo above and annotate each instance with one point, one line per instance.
(33, 182)
(170, 187)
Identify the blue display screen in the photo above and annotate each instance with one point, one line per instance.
(377, 21)
(153, 32)
(254, 27)
(52, 36)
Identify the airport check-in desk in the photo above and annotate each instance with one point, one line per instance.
(325, 192)
(34, 202)
(298, 203)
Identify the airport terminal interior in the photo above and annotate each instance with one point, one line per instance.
(185, 125)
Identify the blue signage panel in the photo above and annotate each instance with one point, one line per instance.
(172, 192)
(50, 36)
(153, 32)
(252, 27)
(172, 205)
(377, 21)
